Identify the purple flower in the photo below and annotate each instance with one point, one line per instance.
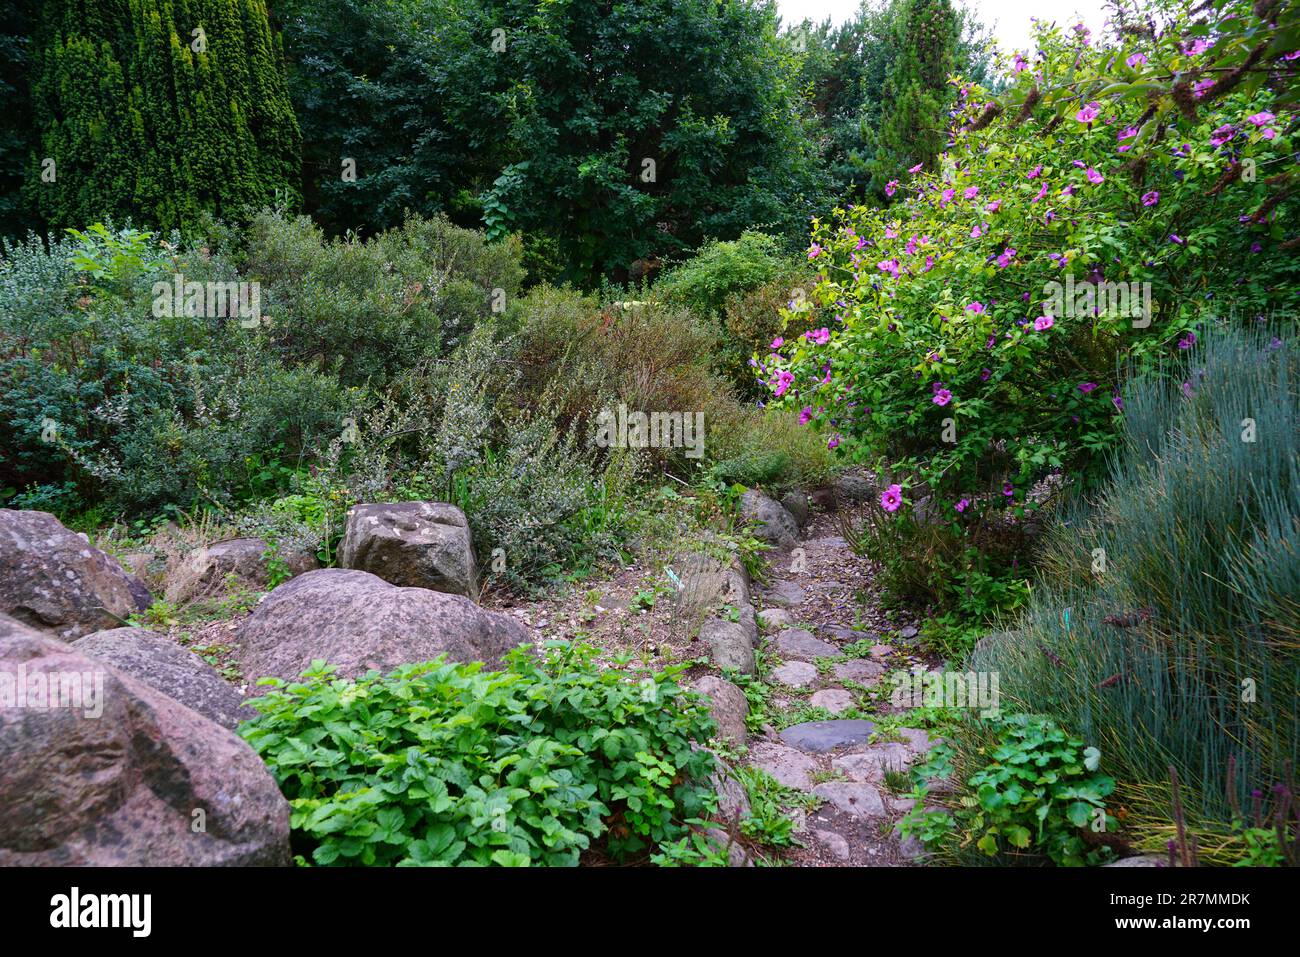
(975, 307)
(1135, 59)
(1043, 322)
(891, 498)
(1008, 489)
(1260, 119)
(777, 343)
(1095, 177)
(994, 206)
(1088, 113)
(805, 415)
(1224, 133)
(1086, 387)
(942, 397)
(973, 191)
(916, 168)
(1151, 198)
(891, 187)
(783, 381)
(985, 374)
(833, 442)
(814, 251)
(961, 504)
(1187, 341)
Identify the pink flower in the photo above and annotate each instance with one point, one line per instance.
(1035, 172)
(1094, 177)
(973, 191)
(1201, 87)
(1008, 489)
(1088, 113)
(1224, 133)
(1259, 119)
(976, 231)
(975, 307)
(805, 415)
(1136, 58)
(783, 381)
(942, 397)
(1041, 193)
(833, 442)
(814, 251)
(1043, 322)
(888, 265)
(916, 168)
(1151, 198)
(777, 343)
(818, 336)
(961, 504)
(891, 187)
(891, 498)
(994, 206)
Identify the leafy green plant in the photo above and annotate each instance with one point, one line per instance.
(768, 822)
(442, 763)
(1031, 788)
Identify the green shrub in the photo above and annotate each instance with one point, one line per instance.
(1028, 789)
(442, 763)
(947, 344)
(721, 270)
(367, 309)
(1166, 623)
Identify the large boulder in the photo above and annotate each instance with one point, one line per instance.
(728, 706)
(412, 544)
(55, 581)
(708, 582)
(213, 571)
(771, 521)
(102, 770)
(167, 667)
(358, 621)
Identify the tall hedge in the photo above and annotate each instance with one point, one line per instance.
(144, 117)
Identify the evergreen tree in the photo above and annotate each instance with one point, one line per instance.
(917, 96)
(159, 110)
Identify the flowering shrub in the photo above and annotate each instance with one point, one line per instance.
(969, 333)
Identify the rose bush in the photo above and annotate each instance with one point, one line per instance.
(970, 333)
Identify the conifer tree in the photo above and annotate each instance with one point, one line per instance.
(916, 99)
(159, 110)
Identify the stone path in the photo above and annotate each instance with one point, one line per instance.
(827, 648)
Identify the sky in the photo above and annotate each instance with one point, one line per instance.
(1009, 19)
